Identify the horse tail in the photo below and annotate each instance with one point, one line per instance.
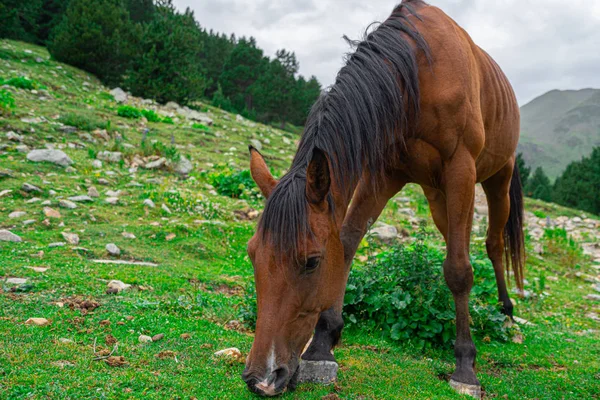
(514, 243)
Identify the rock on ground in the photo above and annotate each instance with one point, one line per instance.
(156, 164)
(81, 199)
(67, 204)
(93, 192)
(149, 203)
(323, 372)
(119, 95)
(8, 236)
(17, 214)
(37, 321)
(57, 157)
(113, 250)
(29, 188)
(110, 156)
(184, 166)
(256, 144)
(144, 339)
(51, 213)
(71, 238)
(115, 286)
(385, 233)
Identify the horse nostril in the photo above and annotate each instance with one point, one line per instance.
(280, 377)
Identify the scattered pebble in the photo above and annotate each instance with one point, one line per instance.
(158, 337)
(113, 250)
(128, 235)
(51, 213)
(93, 192)
(29, 188)
(144, 339)
(67, 204)
(17, 214)
(8, 236)
(149, 203)
(37, 321)
(115, 286)
(71, 238)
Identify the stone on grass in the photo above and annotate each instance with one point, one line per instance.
(113, 193)
(57, 244)
(158, 337)
(593, 297)
(112, 200)
(596, 287)
(110, 156)
(385, 233)
(67, 204)
(29, 188)
(128, 235)
(232, 352)
(12, 136)
(93, 192)
(39, 269)
(16, 281)
(113, 250)
(322, 372)
(149, 203)
(115, 286)
(156, 164)
(165, 209)
(97, 164)
(5, 192)
(81, 199)
(119, 95)
(463, 388)
(144, 339)
(17, 214)
(123, 262)
(37, 321)
(65, 341)
(71, 238)
(51, 213)
(8, 236)
(184, 166)
(29, 222)
(57, 157)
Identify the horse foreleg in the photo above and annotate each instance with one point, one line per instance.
(364, 210)
(459, 186)
(497, 192)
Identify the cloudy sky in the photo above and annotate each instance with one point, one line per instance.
(540, 44)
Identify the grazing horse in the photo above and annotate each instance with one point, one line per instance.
(416, 102)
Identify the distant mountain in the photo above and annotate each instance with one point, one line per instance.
(559, 127)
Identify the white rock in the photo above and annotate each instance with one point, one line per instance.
(67, 204)
(144, 339)
(232, 352)
(16, 281)
(8, 236)
(113, 250)
(57, 157)
(385, 233)
(93, 192)
(29, 188)
(112, 200)
(110, 156)
(256, 144)
(71, 238)
(128, 235)
(65, 341)
(165, 209)
(57, 244)
(156, 164)
(149, 203)
(5, 192)
(97, 164)
(117, 285)
(184, 166)
(119, 95)
(17, 214)
(10, 135)
(81, 199)
(37, 321)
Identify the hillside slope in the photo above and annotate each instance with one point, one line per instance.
(560, 127)
(128, 209)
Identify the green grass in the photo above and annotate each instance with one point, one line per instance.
(203, 269)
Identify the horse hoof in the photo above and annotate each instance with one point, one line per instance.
(464, 388)
(323, 372)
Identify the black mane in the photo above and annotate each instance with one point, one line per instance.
(367, 113)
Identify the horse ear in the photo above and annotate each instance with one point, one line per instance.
(318, 180)
(260, 172)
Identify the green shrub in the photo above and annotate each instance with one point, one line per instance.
(151, 116)
(168, 120)
(7, 102)
(539, 214)
(558, 243)
(180, 203)
(201, 127)
(235, 184)
(22, 83)
(84, 122)
(129, 112)
(159, 149)
(402, 295)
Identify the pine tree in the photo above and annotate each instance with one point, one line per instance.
(579, 185)
(539, 186)
(215, 52)
(18, 19)
(97, 37)
(140, 10)
(242, 69)
(169, 67)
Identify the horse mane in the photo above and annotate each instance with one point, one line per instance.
(359, 122)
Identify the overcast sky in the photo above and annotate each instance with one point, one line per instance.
(540, 44)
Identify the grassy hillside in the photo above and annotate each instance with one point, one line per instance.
(197, 272)
(560, 127)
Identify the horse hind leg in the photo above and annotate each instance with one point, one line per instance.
(497, 192)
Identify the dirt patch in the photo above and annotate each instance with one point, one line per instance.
(110, 340)
(116, 361)
(80, 303)
(166, 354)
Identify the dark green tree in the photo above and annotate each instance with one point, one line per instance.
(244, 66)
(524, 170)
(18, 19)
(169, 68)
(214, 54)
(579, 184)
(96, 36)
(539, 186)
(140, 10)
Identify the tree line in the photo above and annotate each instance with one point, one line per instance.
(578, 186)
(155, 51)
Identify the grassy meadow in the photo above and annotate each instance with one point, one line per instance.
(197, 241)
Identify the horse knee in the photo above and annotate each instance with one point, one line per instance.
(494, 246)
(459, 275)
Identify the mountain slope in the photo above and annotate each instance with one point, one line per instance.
(560, 127)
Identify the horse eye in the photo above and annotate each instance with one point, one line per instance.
(311, 264)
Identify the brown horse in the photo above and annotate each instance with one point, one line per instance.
(417, 102)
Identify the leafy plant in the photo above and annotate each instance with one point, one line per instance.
(84, 122)
(402, 295)
(560, 244)
(201, 127)
(22, 83)
(7, 102)
(151, 116)
(159, 149)
(235, 184)
(129, 112)
(539, 214)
